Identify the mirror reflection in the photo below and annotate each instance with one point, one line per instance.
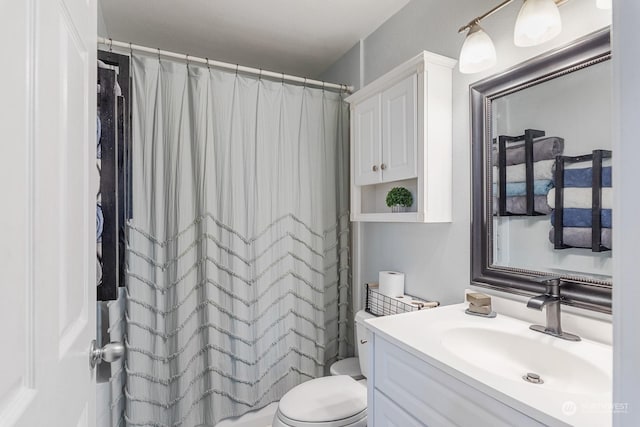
(551, 175)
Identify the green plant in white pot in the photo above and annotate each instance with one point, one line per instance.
(399, 199)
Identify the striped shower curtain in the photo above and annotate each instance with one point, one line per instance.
(238, 257)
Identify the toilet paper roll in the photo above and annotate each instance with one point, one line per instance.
(391, 283)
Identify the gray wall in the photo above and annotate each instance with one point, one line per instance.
(436, 257)
(346, 70)
(102, 25)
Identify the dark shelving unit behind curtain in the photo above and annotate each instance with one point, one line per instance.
(114, 164)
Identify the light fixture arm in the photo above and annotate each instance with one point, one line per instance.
(477, 19)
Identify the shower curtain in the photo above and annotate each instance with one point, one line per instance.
(238, 258)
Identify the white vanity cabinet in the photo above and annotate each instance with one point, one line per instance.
(404, 390)
(401, 137)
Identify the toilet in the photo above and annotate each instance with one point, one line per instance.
(339, 400)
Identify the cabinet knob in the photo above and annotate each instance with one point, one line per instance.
(375, 168)
(383, 166)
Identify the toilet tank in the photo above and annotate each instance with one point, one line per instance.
(362, 334)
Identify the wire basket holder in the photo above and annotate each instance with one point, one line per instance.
(381, 305)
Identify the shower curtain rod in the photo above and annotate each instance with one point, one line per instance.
(219, 64)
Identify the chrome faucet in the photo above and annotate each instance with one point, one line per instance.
(551, 300)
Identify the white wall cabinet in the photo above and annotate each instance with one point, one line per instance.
(399, 131)
(384, 135)
(367, 138)
(401, 127)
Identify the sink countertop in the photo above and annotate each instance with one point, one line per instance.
(427, 334)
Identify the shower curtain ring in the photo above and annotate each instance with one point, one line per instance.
(208, 67)
(237, 66)
(187, 58)
(110, 45)
(282, 79)
(130, 49)
(158, 53)
(260, 75)
(304, 84)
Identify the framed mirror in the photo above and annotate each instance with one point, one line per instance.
(541, 189)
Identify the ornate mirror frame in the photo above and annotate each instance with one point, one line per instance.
(578, 291)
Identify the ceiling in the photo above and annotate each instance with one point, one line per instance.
(300, 37)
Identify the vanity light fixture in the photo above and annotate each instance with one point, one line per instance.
(604, 4)
(538, 22)
(478, 53)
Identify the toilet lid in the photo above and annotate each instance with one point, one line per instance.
(349, 366)
(324, 400)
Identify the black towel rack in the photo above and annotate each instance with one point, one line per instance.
(528, 137)
(596, 158)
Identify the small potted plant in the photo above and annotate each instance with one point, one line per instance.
(399, 199)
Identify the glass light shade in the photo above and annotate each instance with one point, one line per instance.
(477, 53)
(603, 4)
(538, 22)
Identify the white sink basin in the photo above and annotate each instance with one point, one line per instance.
(513, 356)
(492, 355)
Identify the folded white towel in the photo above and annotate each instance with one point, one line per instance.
(580, 198)
(517, 173)
(586, 164)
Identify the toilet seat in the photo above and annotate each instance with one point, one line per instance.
(334, 401)
(357, 420)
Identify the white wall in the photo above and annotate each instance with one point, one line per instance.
(436, 257)
(626, 235)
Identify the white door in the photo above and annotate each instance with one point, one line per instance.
(399, 140)
(47, 226)
(367, 132)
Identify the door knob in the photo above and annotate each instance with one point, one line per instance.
(109, 353)
(375, 168)
(383, 166)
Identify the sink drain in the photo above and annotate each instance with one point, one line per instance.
(532, 378)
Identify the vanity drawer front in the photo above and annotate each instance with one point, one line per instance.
(434, 397)
(388, 414)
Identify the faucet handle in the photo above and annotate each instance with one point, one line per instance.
(552, 283)
(549, 280)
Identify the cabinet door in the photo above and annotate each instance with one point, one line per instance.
(435, 397)
(367, 139)
(399, 124)
(387, 414)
